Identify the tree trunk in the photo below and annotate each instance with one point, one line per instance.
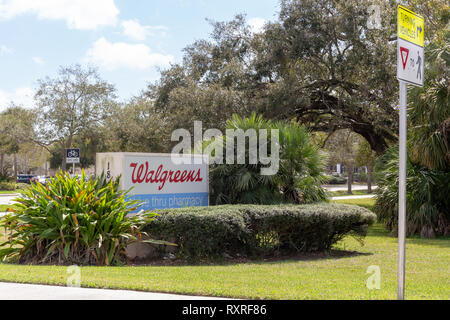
(350, 179)
(95, 160)
(63, 163)
(69, 145)
(15, 166)
(2, 169)
(64, 146)
(369, 180)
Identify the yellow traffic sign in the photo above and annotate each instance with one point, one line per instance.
(410, 26)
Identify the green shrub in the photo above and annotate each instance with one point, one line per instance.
(5, 178)
(7, 186)
(71, 220)
(427, 197)
(202, 231)
(330, 179)
(258, 230)
(299, 176)
(22, 186)
(361, 177)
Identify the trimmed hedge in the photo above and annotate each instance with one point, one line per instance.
(251, 230)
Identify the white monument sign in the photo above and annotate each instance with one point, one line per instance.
(156, 180)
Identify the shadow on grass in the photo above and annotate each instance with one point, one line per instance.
(313, 256)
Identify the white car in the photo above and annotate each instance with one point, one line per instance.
(41, 179)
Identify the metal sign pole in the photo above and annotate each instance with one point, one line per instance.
(410, 69)
(402, 192)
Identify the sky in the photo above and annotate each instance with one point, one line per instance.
(127, 40)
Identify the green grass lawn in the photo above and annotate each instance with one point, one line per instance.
(367, 203)
(341, 193)
(11, 191)
(7, 192)
(3, 207)
(332, 277)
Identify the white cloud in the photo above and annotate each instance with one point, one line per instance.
(78, 14)
(37, 60)
(124, 55)
(256, 24)
(134, 30)
(4, 50)
(21, 96)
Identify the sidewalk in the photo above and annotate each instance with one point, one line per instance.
(15, 291)
(367, 196)
(6, 199)
(343, 187)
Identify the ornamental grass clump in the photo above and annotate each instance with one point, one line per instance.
(73, 220)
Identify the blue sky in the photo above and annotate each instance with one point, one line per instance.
(126, 39)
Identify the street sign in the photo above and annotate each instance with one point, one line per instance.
(410, 42)
(410, 63)
(72, 155)
(410, 70)
(410, 26)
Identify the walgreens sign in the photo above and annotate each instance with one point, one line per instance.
(157, 180)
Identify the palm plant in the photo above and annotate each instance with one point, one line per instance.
(297, 180)
(301, 165)
(427, 204)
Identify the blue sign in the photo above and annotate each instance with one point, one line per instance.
(174, 200)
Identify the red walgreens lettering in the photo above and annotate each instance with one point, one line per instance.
(161, 176)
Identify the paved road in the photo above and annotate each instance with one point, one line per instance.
(7, 199)
(14, 291)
